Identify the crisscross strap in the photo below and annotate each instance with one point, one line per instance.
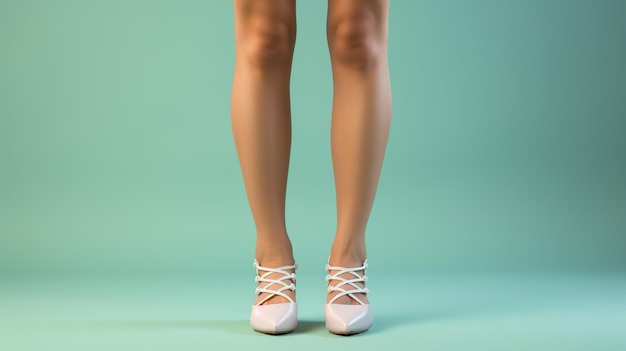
(280, 281)
(343, 281)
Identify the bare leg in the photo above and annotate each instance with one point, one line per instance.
(361, 119)
(265, 32)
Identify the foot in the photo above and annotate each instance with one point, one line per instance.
(276, 263)
(275, 309)
(347, 310)
(346, 299)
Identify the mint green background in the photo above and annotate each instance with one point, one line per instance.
(123, 218)
(507, 148)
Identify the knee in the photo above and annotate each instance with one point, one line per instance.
(269, 44)
(355, 43)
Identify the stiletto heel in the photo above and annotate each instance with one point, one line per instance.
(347, 319)
(276, 318)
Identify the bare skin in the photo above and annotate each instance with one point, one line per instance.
(265, 33)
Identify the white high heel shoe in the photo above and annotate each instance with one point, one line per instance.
(347, 319)
(276, 318)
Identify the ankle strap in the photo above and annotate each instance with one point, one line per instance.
(280, 281)
(343, 281)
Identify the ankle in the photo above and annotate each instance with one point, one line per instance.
(274, 255)
(352, 256)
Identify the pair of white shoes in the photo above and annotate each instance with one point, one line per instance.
(282, 318)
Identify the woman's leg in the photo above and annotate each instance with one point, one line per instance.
(265, 33)
(361, 119)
